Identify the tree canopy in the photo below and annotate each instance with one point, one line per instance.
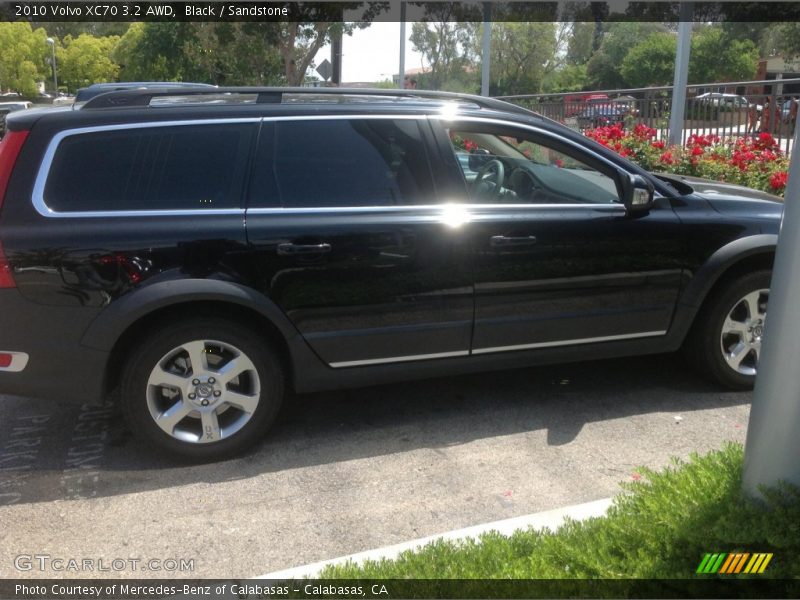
(86, 59)
(23, 58)
(526, 57)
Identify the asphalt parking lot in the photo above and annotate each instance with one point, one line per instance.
(346, 471)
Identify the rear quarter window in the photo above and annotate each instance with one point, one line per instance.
(185, 167)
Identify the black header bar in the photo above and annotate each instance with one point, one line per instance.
(389, 11)
(387, 589)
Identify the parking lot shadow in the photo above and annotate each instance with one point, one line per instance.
(77, 452)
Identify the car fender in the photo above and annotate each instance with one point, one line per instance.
(109, 325)
(706, 277)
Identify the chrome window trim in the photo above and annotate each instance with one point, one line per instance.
(574, 342)
(19, 360)
(44, 171)
(436, 208)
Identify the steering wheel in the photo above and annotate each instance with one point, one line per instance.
(479, 186)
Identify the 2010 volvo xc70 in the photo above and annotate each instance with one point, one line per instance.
(203, 251)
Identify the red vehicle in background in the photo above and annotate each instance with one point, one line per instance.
(576, 103)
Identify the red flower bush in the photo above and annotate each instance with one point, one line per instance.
(778, 181)
(753, 162)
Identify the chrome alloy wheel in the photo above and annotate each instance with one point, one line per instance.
(742, 331)
(203, 391)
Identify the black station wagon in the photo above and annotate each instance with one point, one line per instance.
(204, 251)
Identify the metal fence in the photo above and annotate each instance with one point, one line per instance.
(726, 110)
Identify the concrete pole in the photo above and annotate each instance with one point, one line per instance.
(676, 113)
(487, 46)
(52, 43)
(773, 435)
(401, 73)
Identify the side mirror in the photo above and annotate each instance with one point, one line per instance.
(638, 193)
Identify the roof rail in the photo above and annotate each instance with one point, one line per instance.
(274, 95)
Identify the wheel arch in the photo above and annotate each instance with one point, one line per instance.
(732, 260)
(125, 322)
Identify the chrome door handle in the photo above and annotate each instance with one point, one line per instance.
(295, 249)
(503, 241)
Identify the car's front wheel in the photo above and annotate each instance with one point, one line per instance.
(726, 341)
(202, 388)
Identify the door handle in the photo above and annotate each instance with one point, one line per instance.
(290, 249)
(504, 241)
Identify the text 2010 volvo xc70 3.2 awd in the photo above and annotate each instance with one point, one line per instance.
(203, 251)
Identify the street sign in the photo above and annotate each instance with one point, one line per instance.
(325, 70)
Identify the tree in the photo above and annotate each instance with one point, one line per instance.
(788, 40)
(579, 46)
(156, 52)
(716, 57)
(23, 53)
(444, 45)
(309, 26)
(522, 55)
(86, 60)
(249, 53)
(234, 54)
(569, 78)
(75, 28)
(604, 68)
(713, 58)
(650, 62)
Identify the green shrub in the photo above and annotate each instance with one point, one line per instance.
(660, 528)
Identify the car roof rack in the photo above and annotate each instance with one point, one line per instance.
(275, 95)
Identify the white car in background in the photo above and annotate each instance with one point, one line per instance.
(733, 100)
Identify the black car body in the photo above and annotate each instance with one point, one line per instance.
(323, 244)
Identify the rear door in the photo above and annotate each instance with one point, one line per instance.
(344, 226)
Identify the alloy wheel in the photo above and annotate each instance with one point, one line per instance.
(203, 391)
(742, 332)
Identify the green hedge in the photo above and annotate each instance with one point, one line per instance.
(660, 527)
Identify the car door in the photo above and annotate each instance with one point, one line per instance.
(557, 259)
(344, 226)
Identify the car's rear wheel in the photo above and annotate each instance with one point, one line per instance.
(726, 341)
(204, 389)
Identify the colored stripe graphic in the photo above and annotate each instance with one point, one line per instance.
(740, 562)
(767, 558)
(711, 563)
(734, 563)
(726, 565)
(703, 563)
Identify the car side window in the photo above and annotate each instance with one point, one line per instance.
(510, 167)
(186, 167)
(313, 163)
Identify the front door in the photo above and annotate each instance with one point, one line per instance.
(558, 261)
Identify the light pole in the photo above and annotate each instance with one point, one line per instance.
(52, 43)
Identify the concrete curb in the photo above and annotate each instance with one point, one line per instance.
(550, 519)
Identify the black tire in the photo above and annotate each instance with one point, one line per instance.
(264, 382)
(705, 344)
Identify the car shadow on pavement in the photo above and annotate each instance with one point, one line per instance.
(87, 452)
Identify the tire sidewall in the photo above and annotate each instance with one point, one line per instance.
(158, 343)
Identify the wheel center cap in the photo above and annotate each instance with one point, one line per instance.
(204, 390)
